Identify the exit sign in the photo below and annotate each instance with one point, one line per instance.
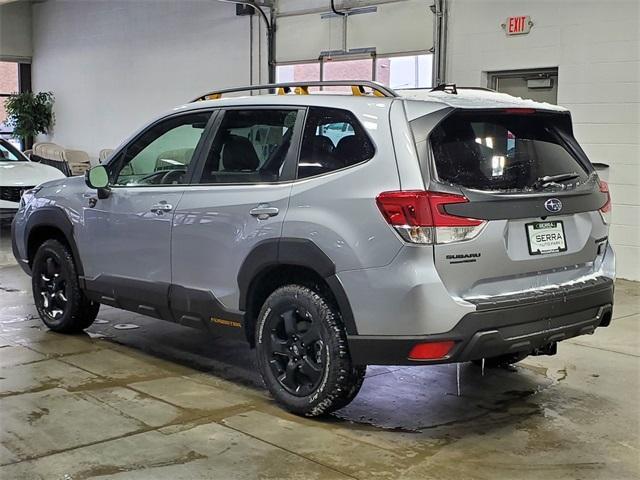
(517, 25)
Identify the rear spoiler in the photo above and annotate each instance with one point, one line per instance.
(602, 169)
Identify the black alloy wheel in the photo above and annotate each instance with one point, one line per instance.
(296, 351)
(303, 354)
(53, 288)
(61, 303)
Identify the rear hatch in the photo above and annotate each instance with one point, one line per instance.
(532, 194)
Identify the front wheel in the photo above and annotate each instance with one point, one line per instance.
(60, 302)
(302, 353)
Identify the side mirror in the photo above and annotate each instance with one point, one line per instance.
(98, 178)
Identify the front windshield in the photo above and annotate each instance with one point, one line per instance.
(9, 154)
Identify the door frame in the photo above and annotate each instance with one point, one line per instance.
(211, 125)
(290, 162)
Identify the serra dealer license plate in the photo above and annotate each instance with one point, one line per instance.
(546, 237)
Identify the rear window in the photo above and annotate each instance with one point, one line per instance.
(498, 151)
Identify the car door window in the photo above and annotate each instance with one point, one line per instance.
(162, 154)
(7, 154)
(332, 139)
(250, 146)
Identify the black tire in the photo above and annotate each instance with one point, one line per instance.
(60, 302)
(312, 378)
(502, 361)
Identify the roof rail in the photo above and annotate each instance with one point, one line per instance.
(453, 89)
(302, 88)
(482, 89)
(446, 87)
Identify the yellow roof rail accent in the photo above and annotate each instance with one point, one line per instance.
(302, 88)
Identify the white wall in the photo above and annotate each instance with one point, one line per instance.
(15, 31)
(113, 65)
(596, 46)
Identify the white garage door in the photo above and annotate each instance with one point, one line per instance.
(394, 27)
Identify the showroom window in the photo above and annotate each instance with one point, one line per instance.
(162, 154)
(250, 146)
(301, 72)
(398, 71)
(408, 71)
(358, 69)
(8, 86)
(332, 139)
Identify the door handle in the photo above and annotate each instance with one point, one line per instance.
(160, 208)
(263, 212)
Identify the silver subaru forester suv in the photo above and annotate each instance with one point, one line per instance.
(334, 231)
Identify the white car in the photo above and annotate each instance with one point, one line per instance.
(17, 174)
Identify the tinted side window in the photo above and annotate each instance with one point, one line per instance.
(250, 146)
(332, 139)
(162, 154)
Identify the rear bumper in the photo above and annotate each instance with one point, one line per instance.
(503, 326)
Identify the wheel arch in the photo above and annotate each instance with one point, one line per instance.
(277, 262)
(48, 223)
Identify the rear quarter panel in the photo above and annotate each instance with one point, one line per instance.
(338, 210)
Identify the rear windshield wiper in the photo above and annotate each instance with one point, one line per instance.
(554, 180)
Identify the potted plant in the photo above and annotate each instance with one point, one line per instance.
(30, 114)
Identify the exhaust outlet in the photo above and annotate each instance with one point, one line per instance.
(548, 349)
(606, 317)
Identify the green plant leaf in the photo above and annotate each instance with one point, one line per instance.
(30, 113)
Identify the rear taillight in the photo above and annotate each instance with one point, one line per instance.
(431, 350)
(419, 217)
(605, 210)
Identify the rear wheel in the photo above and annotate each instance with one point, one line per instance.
(502, 360)
(302, 353)
(60, 302)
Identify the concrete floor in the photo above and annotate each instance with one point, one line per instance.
(161, 401)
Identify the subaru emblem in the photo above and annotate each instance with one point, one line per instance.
(553, 205)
